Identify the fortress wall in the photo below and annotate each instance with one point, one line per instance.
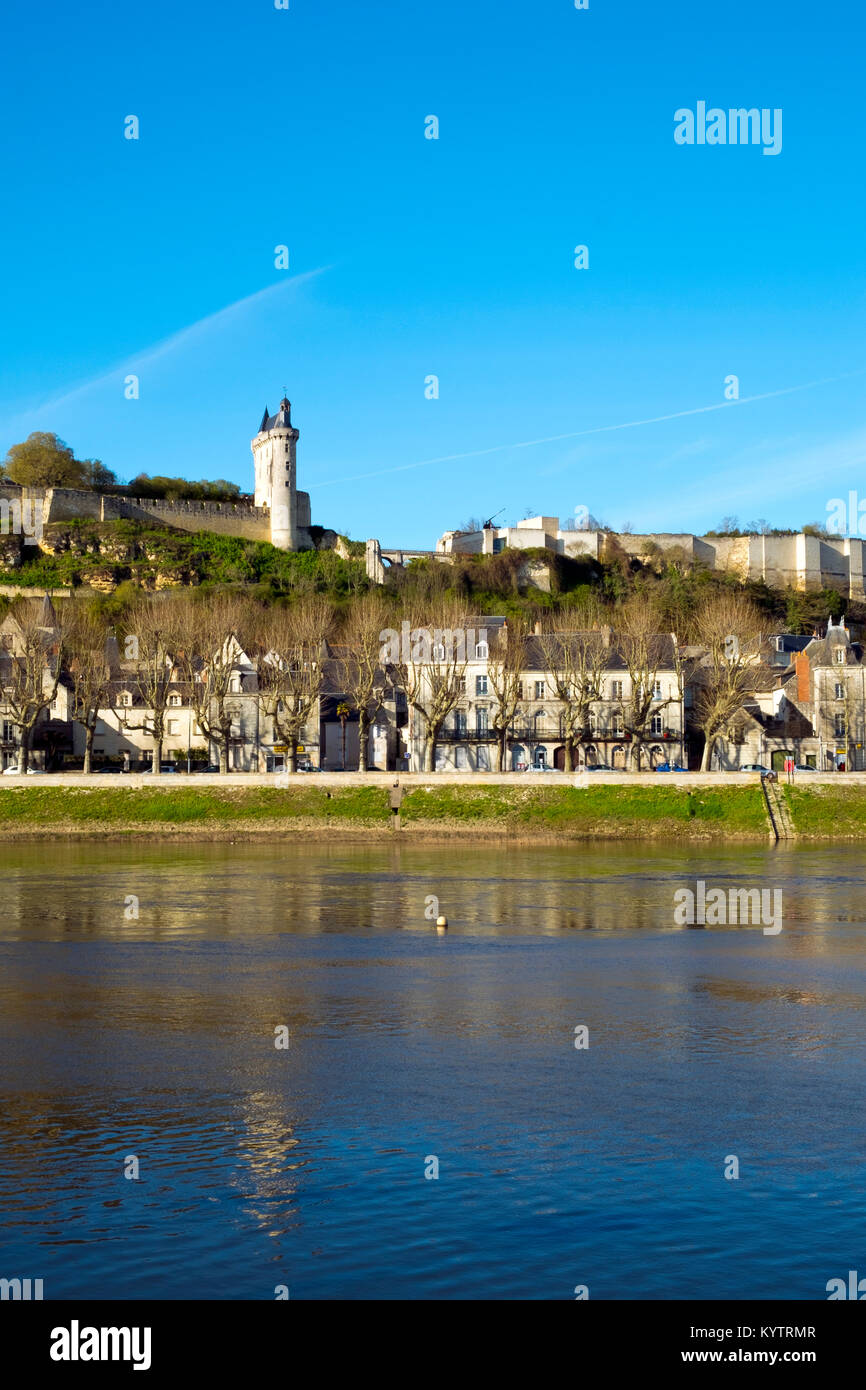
(853, 548)
(705, 551)
(777, 561)
(665, 540)
(731, 554)
(833, 566)
(577, 544)
(225, 518)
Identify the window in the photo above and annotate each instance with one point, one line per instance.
(840, 691)
(8, 731)
(839, 656)
(460, 723)
(839, 725)
(126, 699)
(593, 723)
(657, 690)
(656, 724)
(172, 726)
(616, 690)
(539, 690)
(174, 701)
(482, 759)
(616, 725)
(480, 685)
(520, 690)
(461, 686)
(439, 651)
(481, 649)
(481, 721)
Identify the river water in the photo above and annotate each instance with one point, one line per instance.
(143, 987)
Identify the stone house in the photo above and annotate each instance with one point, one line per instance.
(537, 733)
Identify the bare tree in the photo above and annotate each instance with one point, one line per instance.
(30, 667)
(433, 670)
(645, 652)
(290, 665)
(506, 660)
(211, 636)
(90, 670)
(728, 629)
(574, 663)
(152, 637)
(359, 671)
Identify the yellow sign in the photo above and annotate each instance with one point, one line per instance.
(300, 748)
(279, 748)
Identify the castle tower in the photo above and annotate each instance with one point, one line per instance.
(276, 484)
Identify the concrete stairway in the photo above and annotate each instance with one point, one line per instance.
(781, 824)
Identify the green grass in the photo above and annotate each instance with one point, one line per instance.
(629, 812)
(832, 812)
(44, 806)
(118, 551)
(595, 810)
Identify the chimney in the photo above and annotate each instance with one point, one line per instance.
(538, 628)
(801, 667)
(605, 633)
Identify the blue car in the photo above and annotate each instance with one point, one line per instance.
(671, 767)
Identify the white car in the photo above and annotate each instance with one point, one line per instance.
(13, 772)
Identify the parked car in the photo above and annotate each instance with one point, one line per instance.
(671, 767)
(164, 768)
(14, 772)
(599, 767)
(751, 767)
(203, 770)
(804, 767)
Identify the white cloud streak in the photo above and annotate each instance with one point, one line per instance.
(581, 434)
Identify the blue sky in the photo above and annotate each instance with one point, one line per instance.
(411, 257)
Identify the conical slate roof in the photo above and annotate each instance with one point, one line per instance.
(281, 421)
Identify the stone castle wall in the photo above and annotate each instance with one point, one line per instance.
(807, 563)
(70, 504)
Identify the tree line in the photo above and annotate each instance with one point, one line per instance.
(43, 460)
(192, 642)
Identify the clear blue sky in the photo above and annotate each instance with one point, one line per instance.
(411, 257)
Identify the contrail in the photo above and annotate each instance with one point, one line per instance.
(151, 354)
(599, 429)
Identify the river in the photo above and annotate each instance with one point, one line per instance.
(144, 989)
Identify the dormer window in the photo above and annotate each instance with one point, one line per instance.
(481, 650)
(126, 699)
(174, 701)
(839, 655)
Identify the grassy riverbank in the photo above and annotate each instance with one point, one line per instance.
(430, 811)
(537, 812)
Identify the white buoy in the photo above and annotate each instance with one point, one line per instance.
(441, 923)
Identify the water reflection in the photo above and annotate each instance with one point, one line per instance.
(155, 1037)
